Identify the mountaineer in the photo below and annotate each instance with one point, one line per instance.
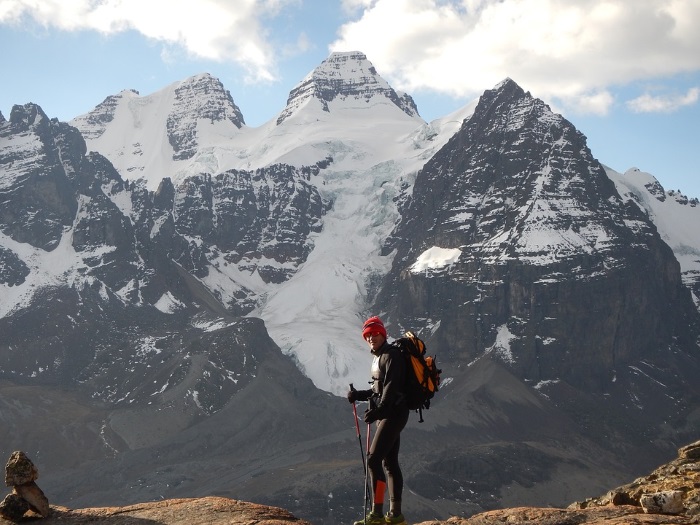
(387, 406)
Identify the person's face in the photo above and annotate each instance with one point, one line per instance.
(375, 340)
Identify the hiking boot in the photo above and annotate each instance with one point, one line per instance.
(394, 520)
(371, 519)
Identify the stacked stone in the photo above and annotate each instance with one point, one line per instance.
(21, 474)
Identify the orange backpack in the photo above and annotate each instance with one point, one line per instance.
(422, 373)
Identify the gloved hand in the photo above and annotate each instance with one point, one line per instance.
(371, 415)
(358, 395)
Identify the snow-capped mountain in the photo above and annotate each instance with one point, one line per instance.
(362, 144)
(156, 253)
(162, 132)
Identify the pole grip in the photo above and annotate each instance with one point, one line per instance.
(357, 422)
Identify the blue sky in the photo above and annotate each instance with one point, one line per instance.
(625, 73)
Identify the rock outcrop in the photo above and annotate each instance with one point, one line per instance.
(620, 515)
(673, 488)
(677, 481)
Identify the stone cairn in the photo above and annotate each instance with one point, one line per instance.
(20, 474)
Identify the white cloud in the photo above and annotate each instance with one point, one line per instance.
(353, 5)
(571, 54)
(566, 52)
(220, 30)
(302, 45)
(648, 103)
(597, 103)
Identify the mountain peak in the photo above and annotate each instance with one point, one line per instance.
(200, 97)
(207, 95)
(27, 115)
(348, 77)
(507, 84)
(505, 91)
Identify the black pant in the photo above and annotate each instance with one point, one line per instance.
(383, 455)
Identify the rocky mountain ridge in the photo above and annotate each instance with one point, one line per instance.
(679, 479)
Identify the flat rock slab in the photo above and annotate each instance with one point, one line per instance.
(609, 515)
(194, 511)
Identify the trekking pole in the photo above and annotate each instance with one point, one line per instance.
(364, 462)
(368, 492)
(357, 428)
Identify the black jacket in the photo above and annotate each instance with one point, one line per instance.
(388, 380)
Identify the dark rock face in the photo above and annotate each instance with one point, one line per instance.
(13, 270)
(38, 198)
(268, 213)
(551, 258)
(344, 75)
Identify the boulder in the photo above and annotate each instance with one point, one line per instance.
(13, 507)
(667, 502)
(19, 470)
(34, 496)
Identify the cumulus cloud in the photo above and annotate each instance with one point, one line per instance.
(648, 103)
(570, 53)
(220, 30)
